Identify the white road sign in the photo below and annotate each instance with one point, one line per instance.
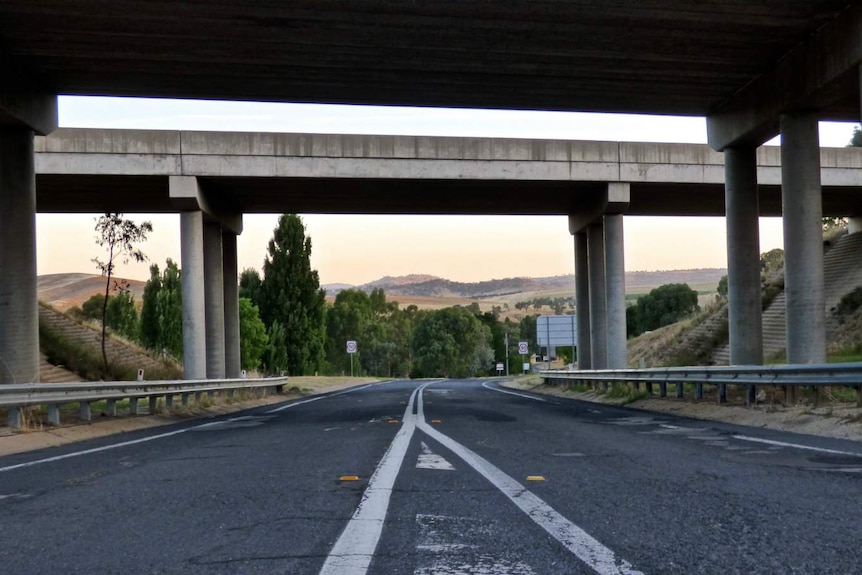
(523, 347)
(351, 346)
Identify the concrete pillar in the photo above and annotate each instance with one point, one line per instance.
(598, 294)
(231, 305)
(582, 300)
(19, 316)
(194, 316)
(803, 238)
(743, 256)
(615, 281)
(214, 301)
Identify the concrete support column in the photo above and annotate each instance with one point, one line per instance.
(803, 238)
(743, 259)
(743, 256)
(214, 301)
(598, 294)
(231, 305)
(194, 315)
(615, 281)
(19, 316)
(582, 300)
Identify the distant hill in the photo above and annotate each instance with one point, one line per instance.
(62, 291)
(418, 285)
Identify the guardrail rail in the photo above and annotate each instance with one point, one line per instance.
(748, 376)
(16, 397)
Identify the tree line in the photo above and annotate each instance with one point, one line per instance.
(286, 326)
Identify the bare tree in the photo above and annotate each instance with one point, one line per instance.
(119, 237)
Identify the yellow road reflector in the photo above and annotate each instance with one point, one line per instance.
(535, 478)
(393, 421)
(435, 421)
(349, 478)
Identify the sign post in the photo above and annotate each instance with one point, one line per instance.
(523, 349)
(351, 349)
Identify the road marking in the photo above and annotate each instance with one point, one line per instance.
(154, 437)
(498, 390)
(319, 397)
(796, 445)
(352, 552)
(576, 540)
(430, 460)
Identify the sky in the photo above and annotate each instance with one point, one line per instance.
(357, 249)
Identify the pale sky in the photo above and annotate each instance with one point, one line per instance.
(358, 249)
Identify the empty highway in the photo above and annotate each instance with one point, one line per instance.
(436, 477)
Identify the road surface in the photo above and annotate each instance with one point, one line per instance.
(436, 477)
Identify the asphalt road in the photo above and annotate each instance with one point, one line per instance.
(453, 477)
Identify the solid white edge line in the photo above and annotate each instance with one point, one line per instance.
(354, 549)
(580, 543)
(485, 385)
(794, 445)
(159, 436)
(295, 403)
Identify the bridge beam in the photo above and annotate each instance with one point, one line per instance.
(194, 314)
(598, 296)
(231, 305)
(214, 300)
(803, 238)
(743, 256)
(818, 72)
(582, 300)
(615, 277)
(19, 323)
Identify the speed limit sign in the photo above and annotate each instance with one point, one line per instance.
(351, 346)
(523, 347)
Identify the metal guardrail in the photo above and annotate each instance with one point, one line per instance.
(749, 376)
(15, 397)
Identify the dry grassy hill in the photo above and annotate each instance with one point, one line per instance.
(63, 291)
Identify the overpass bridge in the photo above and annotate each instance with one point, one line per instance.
(753, 70)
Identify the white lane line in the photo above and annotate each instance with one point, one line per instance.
(352, 553)
(430, 460)
(97, 449)
(584, 546)
(154, 437)
(319, 397)
(485, 385)
(796, 445)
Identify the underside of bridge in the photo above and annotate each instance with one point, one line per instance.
(753, 69)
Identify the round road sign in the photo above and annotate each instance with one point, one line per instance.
(523, 347)
(351, 346)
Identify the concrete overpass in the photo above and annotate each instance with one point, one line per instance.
(753, 69)
(77, 169)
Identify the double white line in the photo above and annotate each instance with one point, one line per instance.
(355, 548)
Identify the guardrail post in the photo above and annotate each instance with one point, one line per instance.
(662, 389)
(53, 414)
(750, 394)
(85, 413)
(111, 407)
(133, 406)
(198, 395)
(154, 404)
(859, 396)
(648, 386)
(211, 394)
(169, 401)
(722, 393)
(680, 390)
(698, 390)
(184, 399)
(14, 417)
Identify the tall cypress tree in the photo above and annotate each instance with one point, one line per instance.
(149, 310)
(290, 295)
